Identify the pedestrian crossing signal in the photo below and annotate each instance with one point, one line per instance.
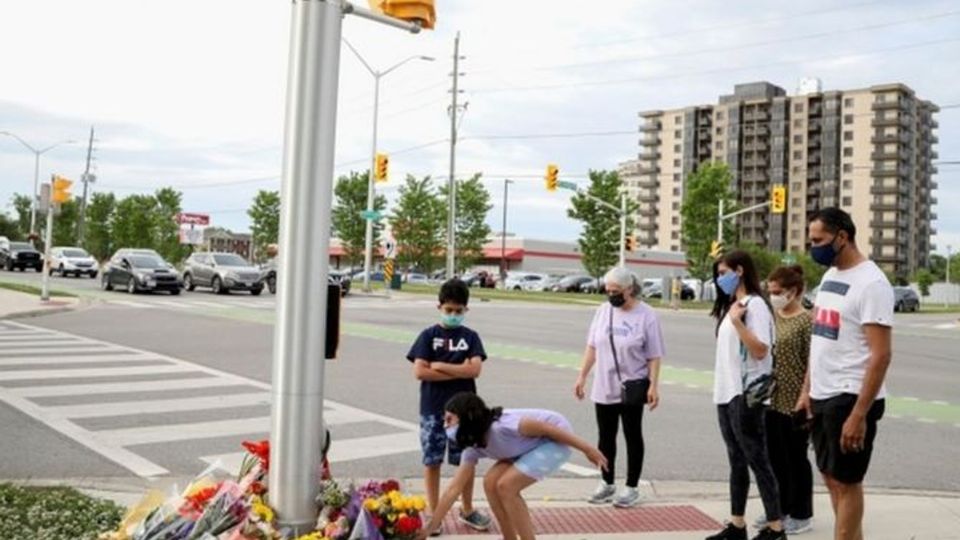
(551, 177)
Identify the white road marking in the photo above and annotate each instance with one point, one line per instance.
(123, 387)
(123, 408)
(130, 303)
(91, 372)
(72, 359)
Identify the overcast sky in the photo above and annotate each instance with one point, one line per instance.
(191, 93)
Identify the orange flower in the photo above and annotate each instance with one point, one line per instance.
(261, 450)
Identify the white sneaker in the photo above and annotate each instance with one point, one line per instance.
(797, 526)
(603, 494)
(628, 498)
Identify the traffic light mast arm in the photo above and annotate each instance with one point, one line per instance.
(364, 13)
(745, 210)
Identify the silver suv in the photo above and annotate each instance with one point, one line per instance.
(222, 272)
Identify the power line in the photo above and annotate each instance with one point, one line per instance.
(607, 82)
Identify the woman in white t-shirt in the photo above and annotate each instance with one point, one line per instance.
(745, 335)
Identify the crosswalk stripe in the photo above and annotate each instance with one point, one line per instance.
(126, 408)
(11, 353)
(27, 338)
(92, 372)
(123, 387)
(72, 359)
(202, 303)
(49, 345)
(129, 303)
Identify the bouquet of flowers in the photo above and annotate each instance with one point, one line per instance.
(395, 516)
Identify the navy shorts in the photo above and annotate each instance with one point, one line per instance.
(434, 442)
(829, 416)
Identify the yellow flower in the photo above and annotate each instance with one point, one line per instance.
(391, 517)
(263, 511)
(312, 536)
(419, 504)
(372, 505)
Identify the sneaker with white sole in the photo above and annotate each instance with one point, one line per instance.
(760, 522)
(797, 526)
(603, 494)
(476, 520)
(627, 498)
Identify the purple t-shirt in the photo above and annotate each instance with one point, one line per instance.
(504, 440)
(637, 336)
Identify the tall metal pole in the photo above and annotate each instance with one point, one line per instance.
(623, 229)
(720, 221)
(371, 194)
(503, 236)
(86, 178)
(298, 348)
(36, 192)
(48, 239)
(451, 181)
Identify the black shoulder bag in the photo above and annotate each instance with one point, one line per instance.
(633, 392)
(760, 389)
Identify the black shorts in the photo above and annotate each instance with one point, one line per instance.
(828, 418)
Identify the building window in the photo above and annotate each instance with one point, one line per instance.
(796, 186)
(796, 203)
(674, 248)
(848, 119)
(676, 163)
(677, 119)
(847, 167)
(719, 130)
(798, 123)
(674, 235)
(798, 107)
(675, 220)
(678, 134)
(794, 235)
(676, 206)
(848, 151)
(848, 102)
(797, 139)
(719, 115)
(676, 177)
(881, 98)
(797, 154)
(795, 218)
(847, 184)
(848, 135)
(676, 148)
(676, 191)
(847, 201)
(719, 145)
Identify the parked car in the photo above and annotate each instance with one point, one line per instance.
(222, 273)
(72, 260)
(126, 252)
(4, 243)
(570, 283)
(655, 290)
(416, 279)
(545, 284)
(523, 281)
(905, 299)
(139, 273)
(20, 256)
(375, 275)
(593, 286)
(268, 277)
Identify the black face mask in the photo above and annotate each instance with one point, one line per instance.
(617, 300)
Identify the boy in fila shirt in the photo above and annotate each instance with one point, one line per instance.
(447, 358)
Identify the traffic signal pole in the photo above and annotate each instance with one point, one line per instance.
(623, 229)
(721, 217)
(297, 425)
(47, 239)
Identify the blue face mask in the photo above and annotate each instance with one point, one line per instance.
(824, 254)
(728, 283)
(452, 432)
(452, 320)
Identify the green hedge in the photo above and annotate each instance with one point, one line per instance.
(54, 513)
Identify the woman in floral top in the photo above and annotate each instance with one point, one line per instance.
(787, 440)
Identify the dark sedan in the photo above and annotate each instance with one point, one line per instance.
(140, 273)
(906, 299)
(571, 283)
(21, 255)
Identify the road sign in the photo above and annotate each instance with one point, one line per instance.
(567, 185)
(372, 215)
(391, 248)
(185, 218)
(788, 258)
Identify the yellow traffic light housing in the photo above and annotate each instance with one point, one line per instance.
(551, 177)
(418, 11)
(778, 199)
(61, 189)
(630, 242)
(716, 249)
(381, 169)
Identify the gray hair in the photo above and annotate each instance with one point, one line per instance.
(624, 278)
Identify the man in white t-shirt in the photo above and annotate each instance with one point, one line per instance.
(849, 356)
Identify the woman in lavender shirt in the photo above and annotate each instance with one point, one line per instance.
(527, 444)
(632, 327)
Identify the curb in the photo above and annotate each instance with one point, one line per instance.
(39, 312)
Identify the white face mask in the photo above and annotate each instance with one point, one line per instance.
(780, 301)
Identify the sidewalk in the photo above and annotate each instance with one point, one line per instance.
(557, 504)
(15, 304)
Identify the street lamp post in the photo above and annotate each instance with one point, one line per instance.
(36, 174)
(503, 236)
(371, 191)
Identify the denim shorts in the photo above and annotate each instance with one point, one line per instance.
(434, 442)
(543, 460)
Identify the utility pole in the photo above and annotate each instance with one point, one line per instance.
(503, 239)
(87, 179)
(623, 229)
(452, 180)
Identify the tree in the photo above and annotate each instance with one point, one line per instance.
(134, 223)
(22, 205)
(473, 203)
(812, 270)
(351, 228)
(924, 280)
(98, 233)
(599, 241)
(764, 260)
(167, 229)
(418, 223)
(9, 227)
(65, 224)
(265, 221)
(705, 188)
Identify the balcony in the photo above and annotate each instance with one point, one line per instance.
(898, 189)
(649, 197)
(647, 226)
(888, 121)
(651, 127)
(816, 109)
(755, 162)
(650, 141)
(815, 126)
(898, 223)
(878, 240)
(900, 206)
(885, 139)
(896, 154)
(813, 142)
(756, 116)
(649, 211)
(934, 124)
(830, 186)
(649, 155)
(886, 105)
(756, 177)
(813, 159)
(704, 120)
(648, 240)
(648, 182)
(757, 146)
(647, 168)
(898, 258)
(752, 130)
(813, 174)
(888, 173)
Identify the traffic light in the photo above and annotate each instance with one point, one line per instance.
(61, 189)
(381, 168)
(551, 177)
(420, 11)
(778, 199)
(716, 249)
(630, 242)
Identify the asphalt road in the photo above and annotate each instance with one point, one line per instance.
(534, 351)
